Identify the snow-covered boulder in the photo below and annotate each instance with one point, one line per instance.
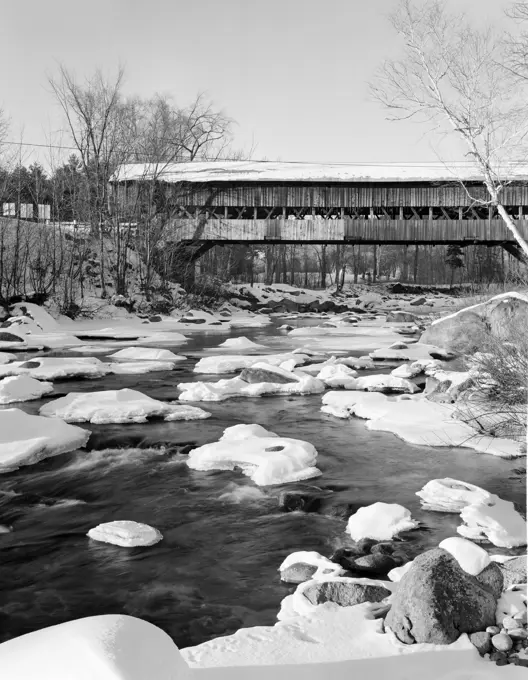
(338, 375)
(52, 368)
(234, 363)
(494, 520)
(451, 495)
(22, 388)
(117, 406)
(323, 567)
(139, 367)
(108, 647)
(381, 521)
(240, 344)
(146, 354)
(125, 533)
(471, 557)
(263, 456)
(236, 387)
(385, 384)
(26, 439)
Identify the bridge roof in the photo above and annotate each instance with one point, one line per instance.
(270, 171)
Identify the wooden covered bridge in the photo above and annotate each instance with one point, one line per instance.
(205, 204)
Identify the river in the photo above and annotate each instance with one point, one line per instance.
(216, 569)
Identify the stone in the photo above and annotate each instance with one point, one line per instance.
(492, 579)
(365, 545)
(418, 301)
(514, 571)
(384, 548)
(155, 319)
(493, 630)
(298, 573)
(518, 633)
(502, 642)
(260, 375)
(500, 658)
(375, 563)
(437, 601)
(402, 317)
(290, 501)
(344, 557)
(482, 641)
(509, 622)
(344, 593)
(9, 337)
(521, 617)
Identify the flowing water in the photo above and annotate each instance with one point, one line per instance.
(224, 538)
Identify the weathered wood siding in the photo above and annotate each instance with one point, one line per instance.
(341, 195)
(354, 230)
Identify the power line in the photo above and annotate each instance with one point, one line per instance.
(406, 164)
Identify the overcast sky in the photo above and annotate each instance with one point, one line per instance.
(292, 73)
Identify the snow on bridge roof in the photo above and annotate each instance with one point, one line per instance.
(267, 171)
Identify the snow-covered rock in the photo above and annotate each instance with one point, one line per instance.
(381, 521)
(108, 647)
(22, 388)
(6, 357)
(263, 456)
(117, 406)
(26, 439)
(240, 344)
(338, 375)
(139, 367)
(385, 383)
(495, 520)
(234, 363)
(511, 602)
(52, 368)
(324, 566)
(414, 352)
(146, 354)
(125, 533)
(236, 387)
(451, 495)
(416, 420)
(471, 557)
(397, 573)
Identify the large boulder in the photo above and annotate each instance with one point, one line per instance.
(344, 593)
(437, 601)
(469, 329)
(514, 571)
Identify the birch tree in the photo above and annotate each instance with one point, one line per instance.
(454, 77)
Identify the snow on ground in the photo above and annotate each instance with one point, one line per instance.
(22, 388)
(381, 521)
(117, 406)
(146, 354)
(125, 533)
(364, 336)
(26, 439)
(416, 420)
(5, 357)
(108, 647)
(239, 344)
(261, 455)
(237, 362)
(485, 516)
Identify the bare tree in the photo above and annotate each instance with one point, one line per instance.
(454, 76)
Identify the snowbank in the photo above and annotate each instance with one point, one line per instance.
(451, 495)
(495, 520)
(22, 388)
(261, 455)
(381, 521)
(338, 375)
(26, 439)
(108, 647)
(117, 406)
(416, 420)
(232, 364)
(125, 533)
(138, 367)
